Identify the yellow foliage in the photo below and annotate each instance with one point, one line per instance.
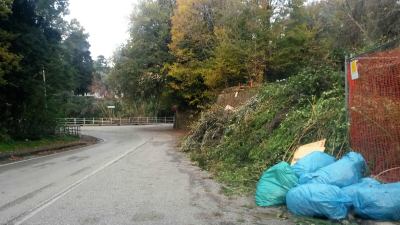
(189, 29)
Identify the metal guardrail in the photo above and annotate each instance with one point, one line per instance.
(116, 121)
(74, 130)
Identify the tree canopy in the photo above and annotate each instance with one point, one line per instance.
(201, 46)
(139, 73)
(43, 59)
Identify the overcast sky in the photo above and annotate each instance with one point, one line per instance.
(106, 21)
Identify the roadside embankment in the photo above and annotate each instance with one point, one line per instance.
(237, 145)
(16, 150)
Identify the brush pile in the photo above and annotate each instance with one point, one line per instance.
(238, 145)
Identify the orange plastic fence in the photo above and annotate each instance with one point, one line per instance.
(374, 112)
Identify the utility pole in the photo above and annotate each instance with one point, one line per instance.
(44, 86)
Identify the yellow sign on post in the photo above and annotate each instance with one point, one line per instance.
(354, 70)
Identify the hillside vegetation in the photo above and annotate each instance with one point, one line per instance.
(238, 146)
(182, 53)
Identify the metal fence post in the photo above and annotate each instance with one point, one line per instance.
(346, 87)
(346, 71)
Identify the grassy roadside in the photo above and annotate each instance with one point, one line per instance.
(237, 147)
(13, 146)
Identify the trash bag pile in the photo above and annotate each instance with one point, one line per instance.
(319, 186)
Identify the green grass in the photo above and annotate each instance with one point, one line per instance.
(12, 146)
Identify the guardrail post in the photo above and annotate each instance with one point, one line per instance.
(165, 119)
(84, 121)
(74, 121)
(147, 119)
(120, 121)
(93, 120)
(102, 121)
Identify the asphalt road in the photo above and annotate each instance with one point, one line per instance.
(135, 176)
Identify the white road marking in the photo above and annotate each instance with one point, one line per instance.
(30, 213)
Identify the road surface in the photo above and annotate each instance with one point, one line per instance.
(135, 176)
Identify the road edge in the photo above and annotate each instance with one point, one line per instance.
(85, 140)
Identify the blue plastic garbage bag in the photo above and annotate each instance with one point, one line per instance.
(379, 202)
(274, 184)
(312, 163)
(344, 172)
(319, 200)
(365, 182)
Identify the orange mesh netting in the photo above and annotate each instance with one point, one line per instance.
(374, 112)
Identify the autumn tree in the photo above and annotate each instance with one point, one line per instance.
(242, 34)
(193, 44)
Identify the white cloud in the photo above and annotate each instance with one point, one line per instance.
(106, 22)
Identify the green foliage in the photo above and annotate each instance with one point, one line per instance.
(307, 107)
(36, 43)
(139, 75)
(215, 44)
(81, 107)
(187, 86)
(229, 66)
(8, 60)
(99, 85)
(149, 108)
(185, 52)
(78, 57)
(5, 7)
